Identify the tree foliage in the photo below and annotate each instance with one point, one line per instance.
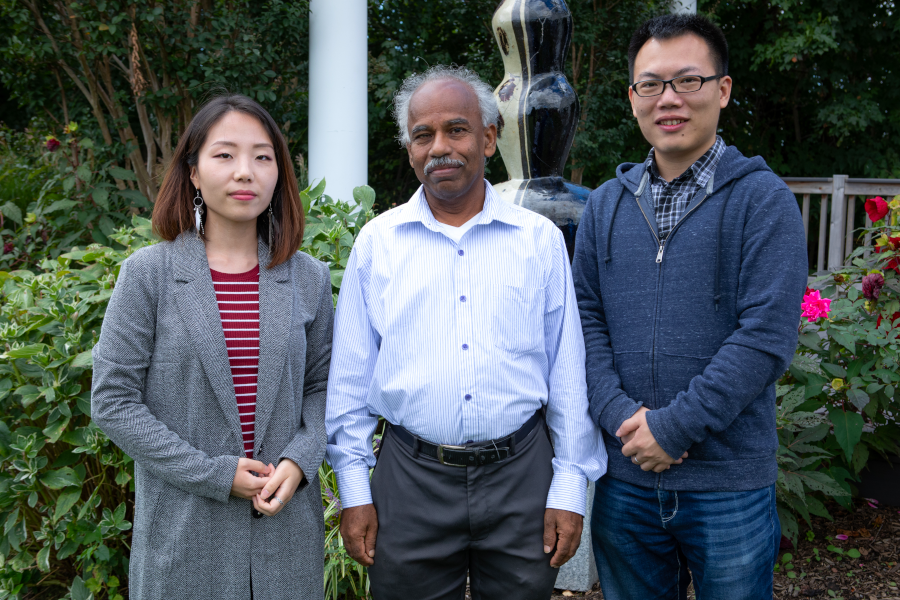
(814, 92)
(136, 71)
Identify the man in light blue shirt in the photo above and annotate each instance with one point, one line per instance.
(457, 322)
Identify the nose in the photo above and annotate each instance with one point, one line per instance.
(440, 146)
(243, 169)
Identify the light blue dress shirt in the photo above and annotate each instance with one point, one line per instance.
(460, 342)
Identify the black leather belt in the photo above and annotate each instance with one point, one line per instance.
(484, 453)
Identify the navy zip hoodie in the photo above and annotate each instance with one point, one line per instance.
(698, 328)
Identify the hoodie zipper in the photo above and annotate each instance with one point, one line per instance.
(659, 258)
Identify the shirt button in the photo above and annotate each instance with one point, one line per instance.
(462, 298)
(465, 346)
(468, 396)
(461, 252)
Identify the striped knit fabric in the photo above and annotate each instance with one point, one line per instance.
(238, 297)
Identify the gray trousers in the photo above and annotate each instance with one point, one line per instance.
(438, 523)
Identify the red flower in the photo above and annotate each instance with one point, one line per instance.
(894, 318)
(8, 247)
(893, 244)
(53, 144)
(876, 208)
(871, 286)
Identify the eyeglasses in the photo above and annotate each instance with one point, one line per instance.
(681, 85)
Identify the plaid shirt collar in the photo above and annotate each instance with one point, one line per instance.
(699, 172)
(670, 199)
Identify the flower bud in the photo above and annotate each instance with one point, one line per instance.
(871, 286)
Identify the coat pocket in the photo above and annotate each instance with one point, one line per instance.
(517, 322)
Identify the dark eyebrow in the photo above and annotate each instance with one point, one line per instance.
(419, 128)
(459, 121)
(678, 73)
(233, 145)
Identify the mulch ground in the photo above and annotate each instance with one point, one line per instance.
(865, 565)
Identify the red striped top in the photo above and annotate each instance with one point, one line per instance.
(238, 297)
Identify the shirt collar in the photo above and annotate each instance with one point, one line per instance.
(700, 171)
(417, 210)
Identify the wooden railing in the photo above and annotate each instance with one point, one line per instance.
(837, 218)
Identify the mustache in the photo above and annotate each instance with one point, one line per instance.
(442, 161)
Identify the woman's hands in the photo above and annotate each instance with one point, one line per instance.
(280, 485)
(250, 478)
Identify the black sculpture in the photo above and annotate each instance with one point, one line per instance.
(539, 111)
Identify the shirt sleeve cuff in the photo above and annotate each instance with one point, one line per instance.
(568, 492)
(353, 487)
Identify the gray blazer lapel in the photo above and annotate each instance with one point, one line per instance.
(196, 301)
(276, 304)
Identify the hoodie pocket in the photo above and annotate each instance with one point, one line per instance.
(517, 324)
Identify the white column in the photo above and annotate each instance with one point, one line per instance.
(338, 101)
(686, 7)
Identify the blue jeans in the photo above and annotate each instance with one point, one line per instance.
(645, 540)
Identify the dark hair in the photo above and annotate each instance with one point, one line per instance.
(666, 27)
(173, 211)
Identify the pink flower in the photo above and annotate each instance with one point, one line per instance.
(814, 306)
(8, 247)
(52, 144)
(871, 286)
(872, 502)
(841, 537)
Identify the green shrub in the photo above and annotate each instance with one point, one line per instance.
(66, 492)
(840, 399)
(54, 199)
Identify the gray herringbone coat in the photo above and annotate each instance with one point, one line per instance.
(163, 392)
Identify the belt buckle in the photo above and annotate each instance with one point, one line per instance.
(440, 454)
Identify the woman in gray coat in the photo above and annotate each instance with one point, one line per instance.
(211, 369)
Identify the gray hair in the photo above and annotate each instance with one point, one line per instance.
(490, 113)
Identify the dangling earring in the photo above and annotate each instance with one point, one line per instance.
(198, 213)
(271, 217)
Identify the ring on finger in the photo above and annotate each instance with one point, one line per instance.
(280, 501)
(635, 460)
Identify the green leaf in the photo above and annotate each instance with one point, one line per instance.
(316, 192)
(858, 397)
(43, 559)
(136, 198)
(61, 478)
(83, 359)
(83, 173)
(821, 482)
(56, 429)
(834, 370)
(792, 400)
(337, 276)
(364, 196)
(60, 205)
(27, 351)
(853, 553)
(101, 198)
(11, 211)
(848, 428)
(79, 590)
(844, 339)
(120, 173)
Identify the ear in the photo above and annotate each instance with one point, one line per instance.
(724, 91)
(490, 140)
(631, 98)
(410, 156)
(195, 178)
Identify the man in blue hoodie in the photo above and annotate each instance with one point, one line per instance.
(689, 270)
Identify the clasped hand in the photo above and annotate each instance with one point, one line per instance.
(266, 484)
(642, 446)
